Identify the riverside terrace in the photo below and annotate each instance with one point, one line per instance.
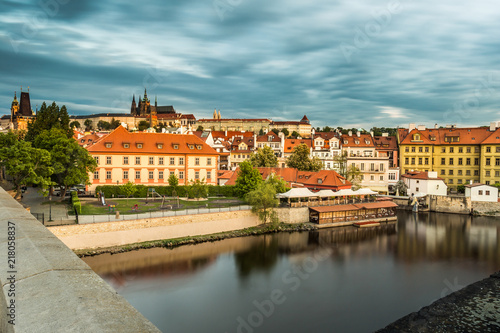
(345, 207)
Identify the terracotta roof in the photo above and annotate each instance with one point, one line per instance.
(188, 116)
(478, 184)
(304, 119)
(342, 208)
(226, 120)
(402, 133)
(364, 140)
(150, 141)
(385, 142)
(419, 175)
(290, 144)
(265, 137)
(444, 136)
(88, 139)
(226, 135)
(226, 175)
(494, 138)
(327, 179)
(168, 116)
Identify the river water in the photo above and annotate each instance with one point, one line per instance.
(333, 280)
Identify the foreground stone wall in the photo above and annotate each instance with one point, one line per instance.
(293, 215)
(449, 204)
(486, 208)
(47, 288)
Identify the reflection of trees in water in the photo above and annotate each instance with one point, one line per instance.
(261, 256)
(435, 236)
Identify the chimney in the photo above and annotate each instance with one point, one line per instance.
(358, 133)
(412, 126)
(421, 127)
(493, 126)
(350, 133)
(436, 126)
(371, 134)
(225, 133)
(385, 134)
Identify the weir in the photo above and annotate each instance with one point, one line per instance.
(47, 288)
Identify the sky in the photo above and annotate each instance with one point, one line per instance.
(342, 63)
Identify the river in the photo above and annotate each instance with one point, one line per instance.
(332, 280)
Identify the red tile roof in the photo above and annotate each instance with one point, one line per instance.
(419, 175)
(385, 142)
(494, 138)
(226, 135)
(364, 140)
(150, 141)
(265, 137)
(290, 144)
(228, 119)
(441, 136)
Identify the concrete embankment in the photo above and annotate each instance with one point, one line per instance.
(475, 308)
(109, 234)
(47, 288)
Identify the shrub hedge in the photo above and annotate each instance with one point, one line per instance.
(110, 191)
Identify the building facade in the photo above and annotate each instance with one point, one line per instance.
(150, 158)
(303, 127)
(426, 182)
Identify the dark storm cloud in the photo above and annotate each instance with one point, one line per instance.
(357, 64)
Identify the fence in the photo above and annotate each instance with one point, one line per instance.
(40, 217)
(87, 219)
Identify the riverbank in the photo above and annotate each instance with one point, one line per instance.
(475, 308)
(172, 243)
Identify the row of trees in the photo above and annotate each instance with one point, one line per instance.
(45, 155)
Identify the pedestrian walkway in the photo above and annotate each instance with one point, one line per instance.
(34, 199)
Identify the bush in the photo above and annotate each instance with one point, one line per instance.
(111, 191)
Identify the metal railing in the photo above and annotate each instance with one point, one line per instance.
(87, 219)
(40, 217)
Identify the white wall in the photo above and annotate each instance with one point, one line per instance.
(473, 193)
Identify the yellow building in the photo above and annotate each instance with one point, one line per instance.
(303, 127)
(150, 158)
(490, 159)
(457, 154)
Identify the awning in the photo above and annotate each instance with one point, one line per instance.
(365, 191)
(297, 193)
(325, 193)
(378, 204)
(336, 208)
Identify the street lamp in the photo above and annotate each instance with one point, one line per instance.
(50, 207)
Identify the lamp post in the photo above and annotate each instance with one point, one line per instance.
(50, 207)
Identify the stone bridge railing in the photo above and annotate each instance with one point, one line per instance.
(47, 288)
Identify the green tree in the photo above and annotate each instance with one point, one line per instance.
(173, 180)
(143, 125)
(25, 165)
(200, 128)
(327, 129)
(401, 187)
(263, 200)
(49, 117)
(295, 134)
(263, 157)
(114, 123)
(74, 124)
(285, 131)
(103, 125)
(300, 159)
(248, 179)
(129, 189)
(276, 131)
(341, 160)
(278, 183)
(199, 189)
(354, 176)
(88, 124)
(71, 163)
(261, 132)
(461, 188)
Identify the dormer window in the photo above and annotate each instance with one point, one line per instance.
(191, 146)
(356, 142)
(175, 145)
(320, 181)
(139, 145)
(199, 147)
(126, 145)
(345, 142)
(367, 142)
(159, 145)
(108, 144)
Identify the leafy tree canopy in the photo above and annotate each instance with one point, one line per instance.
(200, 128)
(248, 179)
(88, 124)
(74, 124)
(300, 160)
(354, 176)
(278, 183)
(173, 180)
(103, 125)
(264, 157)
(295, 134)
(263, 200)
(143, 125)
(285, 131)
(49, 117)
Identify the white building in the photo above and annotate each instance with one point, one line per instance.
(481, 192)
(424, 182)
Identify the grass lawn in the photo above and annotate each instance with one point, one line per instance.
(126, 206)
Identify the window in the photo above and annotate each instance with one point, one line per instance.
(467, 161)
(209, 161)
(460, 149)
(199, 147)
(488, 173)
(392, 176)
(476, 161)
(382, 178)
(381, 167)
(443, 150)
(151, 160)
(150, 174)
(498, 149)
(137, 160)
(196, 175)
(197, 161)
(372, 166)
(172, 173)
(125, 174)
(476, 149)
(459, 172)
(450, 172)
(488, 161)
(412, 149)
(497, 173)
(181, 160)
(426, 161)
(467, 172)
(176, 146)
(96, 175)
(488, 149)
(417, 189)
(420, 149)
(160, 160)
(443, 161)
(108, 174)
(209, 175)
(443, 172)
(487, 191)
(172, 160)
(125, 160)
(451, 149)
(126, 145)
(96, 158)
(139, 145)
(413, 161)
(468, 149)
(450, 181)
(420, 160)
(451, 160)
(407, 160)
(426, 149)
(108, 159)
(459, 181)
(476, 172)
(497, 161)
(137, 175)
(407, 149)
(181, 174)
(480, 192)
(372, 177)
(160, 146)
(460, 161)
(108, 145)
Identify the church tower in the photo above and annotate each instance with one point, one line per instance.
(219, 115)
(133, 108)
(215, 114)
(14, 108)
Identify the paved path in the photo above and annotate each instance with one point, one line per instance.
(33, 199)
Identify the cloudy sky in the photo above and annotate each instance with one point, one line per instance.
(343, 63)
